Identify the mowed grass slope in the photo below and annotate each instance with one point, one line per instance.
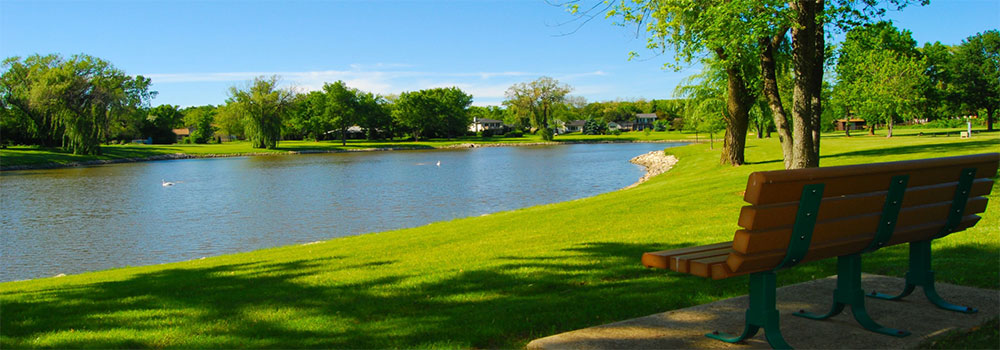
(495, 281)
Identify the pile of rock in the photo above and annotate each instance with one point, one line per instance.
(655, 162)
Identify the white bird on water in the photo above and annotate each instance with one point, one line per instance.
(439, 164)
(166, 183)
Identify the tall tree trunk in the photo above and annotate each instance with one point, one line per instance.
(737, 118)
(817, 84)
(768, 67)
(989, 119)
(888, 132)
(805, 61)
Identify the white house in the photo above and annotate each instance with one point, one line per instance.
(480, 124)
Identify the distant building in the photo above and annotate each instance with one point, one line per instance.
(575, 126)
(480, 124)
(181, 133)
(850, 124)
(644, 121)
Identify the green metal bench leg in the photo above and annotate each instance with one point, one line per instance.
(921, 275)
(849, 293)
(762, 313)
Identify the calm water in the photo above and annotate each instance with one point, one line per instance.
(74, 220)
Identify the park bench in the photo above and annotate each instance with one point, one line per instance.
(803, 215)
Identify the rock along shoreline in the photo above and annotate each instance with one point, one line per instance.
(175, 156)
(655, 162)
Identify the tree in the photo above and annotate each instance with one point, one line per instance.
(438, 111)
(160, 122)
(262, 106)
(536, 100)
(80, 98)
(594, 127)
(891, 88)
(976, 70)
(880, 74)
(200, 120)
(374, 115)
(341, 107)
(231, 122)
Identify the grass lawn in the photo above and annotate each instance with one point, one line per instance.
(495, 281)
(19, 155)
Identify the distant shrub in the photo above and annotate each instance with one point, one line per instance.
(616, 132)
(547, 134)
(514, 133)
(660, 125)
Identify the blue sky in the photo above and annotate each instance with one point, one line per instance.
(195, 50)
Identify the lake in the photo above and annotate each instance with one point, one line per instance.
(72, 220)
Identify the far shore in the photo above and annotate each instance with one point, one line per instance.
(174, 156)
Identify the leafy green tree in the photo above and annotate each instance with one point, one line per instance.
(880, 74)
(594, 127)
(200, 120)
(891, 89)
(262, 106)
(85, 95)
(536, 100)
(341, 107)
(231, 122)
(160, 122)
(414, 111)
(976, 70)
(453, 108)
(19, 122)
(375, 116)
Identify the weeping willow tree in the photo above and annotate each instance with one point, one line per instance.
(706, 104)
(73, 101)
(262, 106)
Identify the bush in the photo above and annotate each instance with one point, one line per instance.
(514, 133)
(547, 134)
(616, 132)
(594, 127)
(660, 125)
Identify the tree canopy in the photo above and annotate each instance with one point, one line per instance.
(72, 101)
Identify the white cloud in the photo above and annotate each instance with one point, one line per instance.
(386, 78)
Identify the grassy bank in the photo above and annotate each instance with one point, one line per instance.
(36, 156)
(493, 281)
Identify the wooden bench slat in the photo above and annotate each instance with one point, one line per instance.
(745, 263)
(783, 214)
(703, 267)
(786, 185)
(752, 242)
(682, 263)
(661, 259)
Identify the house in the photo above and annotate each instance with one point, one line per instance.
(644, 121)
(626, 125)
(575, 126)
(612, 126)
(480, 124)
(181, 133)
(850, 124)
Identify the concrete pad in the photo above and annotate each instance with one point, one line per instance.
(686, 328)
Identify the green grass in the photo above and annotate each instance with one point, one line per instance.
(34, 156)
(496, 281)
(986, 336)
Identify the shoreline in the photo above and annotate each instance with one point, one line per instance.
(176, 156)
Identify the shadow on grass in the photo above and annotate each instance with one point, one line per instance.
(945, 148)
(292, 305)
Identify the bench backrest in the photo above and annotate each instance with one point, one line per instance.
(852, 206)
